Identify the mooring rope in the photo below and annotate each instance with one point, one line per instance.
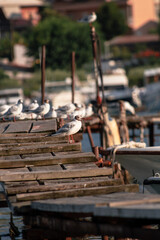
(130, 144)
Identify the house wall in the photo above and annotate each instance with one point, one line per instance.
(31, 13)
(142, 12)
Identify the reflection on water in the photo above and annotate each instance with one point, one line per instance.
(5, 226)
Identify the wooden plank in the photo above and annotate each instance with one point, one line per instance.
(28, 138)
(10, 158)
(39, 149)
(45, 160)
(11, 190)
(3, 127)
(16, 127)
(76, 173)
(77, 192)
(44, 126)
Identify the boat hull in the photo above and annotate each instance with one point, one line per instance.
(141, 167)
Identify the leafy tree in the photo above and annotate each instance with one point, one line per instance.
(112, 20)
(61, 36)
(5, 48)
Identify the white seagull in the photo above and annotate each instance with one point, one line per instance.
(4, 109)
(70, 128)
(43, 109)
(89, 19)
(89, 110)
(15, 110)
(52, 113)
(129, 108)
(33, 106)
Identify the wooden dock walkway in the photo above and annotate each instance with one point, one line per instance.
(44, 175)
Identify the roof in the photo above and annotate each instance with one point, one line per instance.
(9, 3)
(132, 39)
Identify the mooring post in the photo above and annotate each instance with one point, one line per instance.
(43, 74)
(90, 137)
(94, 49)
(73, 76)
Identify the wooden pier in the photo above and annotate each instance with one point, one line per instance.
(57, 187)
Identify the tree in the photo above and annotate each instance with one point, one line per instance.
(61, 36)
(111, 20)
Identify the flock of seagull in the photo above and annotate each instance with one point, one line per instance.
(72, 112)
(36, 111)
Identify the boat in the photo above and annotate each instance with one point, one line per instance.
(141, 163)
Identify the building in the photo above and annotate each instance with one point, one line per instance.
(76, 9)
(18, 14)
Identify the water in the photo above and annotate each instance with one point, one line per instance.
(18, 221)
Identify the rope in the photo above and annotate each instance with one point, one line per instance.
(130, 144)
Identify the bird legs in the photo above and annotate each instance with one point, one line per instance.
(71, 139)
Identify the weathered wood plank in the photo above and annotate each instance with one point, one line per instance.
(55, 174)
(48, 160)
(32, 139)
(3, 127)
(77, 192)
(44, 126)
(39, 149)
(15, 127)
(10, 158)
(11, 190)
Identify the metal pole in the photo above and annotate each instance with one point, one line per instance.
(43, 73)
(73, 76)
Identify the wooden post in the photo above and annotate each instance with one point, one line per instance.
(151, 134)
(73, 76)
(43, 74)
(90, 137)
(94, 49)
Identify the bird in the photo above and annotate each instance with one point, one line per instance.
(89, 18)
(52, 113)
(33, 106)
(129, 108)
(89, 110)
(4, 109)
(15, 110)
(68, 108)
(70, 128)
(43, 109)
(80, 111)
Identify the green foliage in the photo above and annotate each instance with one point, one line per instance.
(121, 52)
(9, 83)
(5, 48)
(111, 19)
(135, 76)
(61, 36)
(3, 75)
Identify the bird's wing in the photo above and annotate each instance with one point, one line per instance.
(13, 108)
(3, 107)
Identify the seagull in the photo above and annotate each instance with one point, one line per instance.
(15, 110)
(4, 109)
(52, 113)
(33, 106)
(70, 128)
(89, 19)
(89, 110)
(80, 111)
(129, 108)
(43, 109)
(68, 108)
